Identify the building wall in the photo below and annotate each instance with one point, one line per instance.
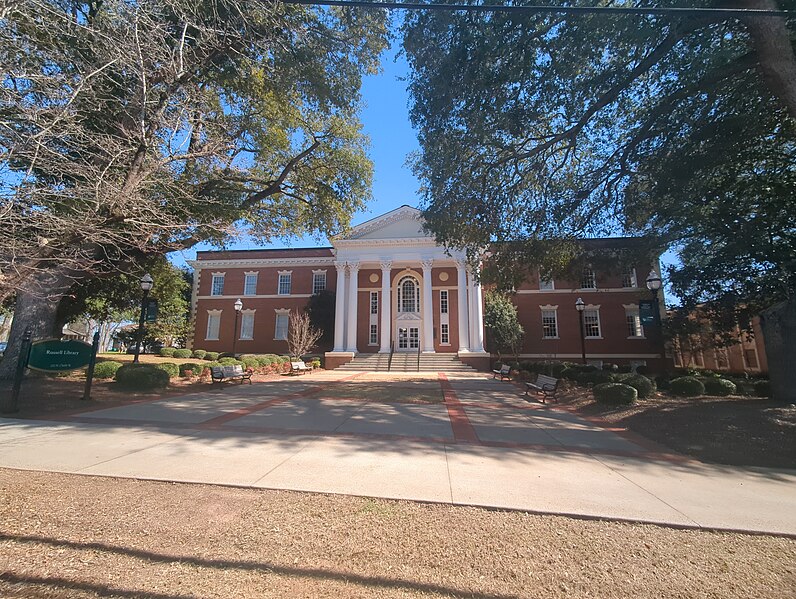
(748, 355)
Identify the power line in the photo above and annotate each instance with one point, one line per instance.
(609, 10)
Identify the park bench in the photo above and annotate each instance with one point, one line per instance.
(503, 373)
(220, 374)
(547, 386)
(299, 367)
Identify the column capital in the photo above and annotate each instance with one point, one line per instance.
(426, 263)
(461, 263)
(386, 265)
(353, 267)
(340, 267)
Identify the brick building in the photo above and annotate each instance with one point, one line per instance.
(381, 274)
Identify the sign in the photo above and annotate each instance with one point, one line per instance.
(151, 311)
(54, 354)
(647, 312)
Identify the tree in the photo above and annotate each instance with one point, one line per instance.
(504, 333)
(301, 336)
(130, 129)
(681, 129)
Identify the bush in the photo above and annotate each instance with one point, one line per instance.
(167, 352)
(720, 387)
(229, 361)
(265, 361)
(687, 386)
(182, 353)
(570, 374)
(763, 388)
(316, 362)
(192, 366)
(594, 377)
(615, 394)
(252, 363)
(663, 382)
(525, 375)
(141, 377)
(645, 386)
(106, 370)
(211, 355)
(170, 367)
(199, 353)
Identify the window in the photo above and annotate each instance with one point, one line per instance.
(721, 358)
(217, 287)
(250, 284)
(444, 334)
(374, 334)
(284, 283)
(280, 330)
(550, 324)
(678, 359)
(629, 278)
(443, 301)
(318, 282)
(546, 284)
(408, 296)
(750, 358)
(374, 302)
(591, 323)
(634, 328)
(699, 359)
(247, 324)
(213, 325)
(588, 280)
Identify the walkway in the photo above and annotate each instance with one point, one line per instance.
(377, 435)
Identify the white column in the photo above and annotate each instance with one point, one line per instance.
(477, 339)
(428, 308)
(386, 305)
(339, 308)
(464, 317)
(353, 288)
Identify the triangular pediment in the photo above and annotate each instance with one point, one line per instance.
(402, 223)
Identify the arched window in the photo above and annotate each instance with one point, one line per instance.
(408, 295)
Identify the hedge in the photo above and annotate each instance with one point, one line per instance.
(211, 355)
(167, 352)
(763, 388)
(615, 394)
(141, 377)
(199, 353)
(170, 367)
(106, 370)
(594, 377)
(192, 366)
(182, 353)
(687, 386)
(229, 362)
(720, 387)
(644, 385)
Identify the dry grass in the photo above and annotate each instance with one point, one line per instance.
(85, 537)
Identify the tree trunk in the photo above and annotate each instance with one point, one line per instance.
(779, 329)
(36, 307)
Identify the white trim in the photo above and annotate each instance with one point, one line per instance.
(579, 291)
(558, 356)
(262, 262)
(266, 296)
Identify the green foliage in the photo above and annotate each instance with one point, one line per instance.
(230, 362)
(141, 377)
(643, 384)
(504, 333)
(719, 387)
(195, 368)
(252, 363)
(211, 355)
(182, 353)
(199, 353)
(763, 388)
(615, 393)
(687, 386)
(106, 370)
(169, 367)
(594, 377)
(569, 373)
(167, 352)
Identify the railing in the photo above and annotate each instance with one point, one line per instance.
(389, 361)
(418, 356)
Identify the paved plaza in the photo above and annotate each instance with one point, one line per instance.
(456, 438)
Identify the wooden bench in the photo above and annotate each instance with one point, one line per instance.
(220, 374)
(299, 367)
(547, 386)
(503, 373)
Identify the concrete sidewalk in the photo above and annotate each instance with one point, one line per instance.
(483, 446)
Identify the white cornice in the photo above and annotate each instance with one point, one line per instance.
(405, 242)
(261, 262)
(402, 213)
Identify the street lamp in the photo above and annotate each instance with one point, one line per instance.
(654, 284)
(580, 307)
(146, 284)
(238, 307)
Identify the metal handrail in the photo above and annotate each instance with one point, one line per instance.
(392, 351)
(418, 355)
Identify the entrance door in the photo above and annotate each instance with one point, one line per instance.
(408, 338)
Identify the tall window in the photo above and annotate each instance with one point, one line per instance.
(374, 302)
(247, 324)
(250, 284)
(444, 336)
(588, 280)
(443, 301)
(633, 320)
(213, 325)
(629, 278)
(550, 324)
(284, 283)
(217, 288)
(591, 323)
(750, 358)
(318, 282)
(280, 330)
(374, 334)
(408, 296)
(722, 360)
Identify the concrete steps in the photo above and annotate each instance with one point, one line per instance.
(406, 362)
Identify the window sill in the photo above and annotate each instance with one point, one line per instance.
(594, 337)
(210, 339)
(543, 338)
(636, 337)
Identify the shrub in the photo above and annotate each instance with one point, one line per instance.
(211, 355)
(141, 376)
(594, 377)
(556, 368)
(663, 382)
(316, 362)
(199, 353)
(182, 353)
(687, 386)
(265, 361)
(720, 387)
(229, 361)
(570, 374)
(170, 367)
(615, 394)
(106, 370)
(762, 388)
(497, 365)
(642, 369)
(252, 363)
(192, 366)
(645, 386)
(167, 352)
(525, 375)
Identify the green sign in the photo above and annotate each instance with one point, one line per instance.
(55, 354)
(647, 312)
(151, 311)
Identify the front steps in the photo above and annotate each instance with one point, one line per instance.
(406, 362)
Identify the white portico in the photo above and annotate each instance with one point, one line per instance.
(397, 290)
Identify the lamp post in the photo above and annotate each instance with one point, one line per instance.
(238, 307)
(654, 284)
(580, 307)
(146, 284)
